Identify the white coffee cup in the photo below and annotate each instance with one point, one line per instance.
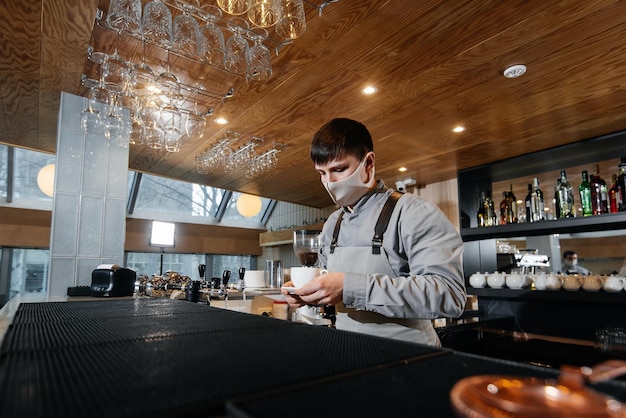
(302, 275)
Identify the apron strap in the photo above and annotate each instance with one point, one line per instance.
(383, 221)
(333, 243)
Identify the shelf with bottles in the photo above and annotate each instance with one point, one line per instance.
(516, 174)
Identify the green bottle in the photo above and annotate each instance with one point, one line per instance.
(585, 195)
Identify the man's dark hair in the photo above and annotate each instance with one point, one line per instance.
(338, 138)
(568, 253)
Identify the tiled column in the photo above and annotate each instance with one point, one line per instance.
(89, 205)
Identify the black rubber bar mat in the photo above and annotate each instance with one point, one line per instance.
(419, 388)
(169, 358)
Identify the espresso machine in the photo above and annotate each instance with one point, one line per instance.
(306, 245)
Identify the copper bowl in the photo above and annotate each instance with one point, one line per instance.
(512, 396)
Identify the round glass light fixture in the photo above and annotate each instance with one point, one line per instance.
(514, 71)
(45, 180)
(221, 121)
(249, 205)
(458, 129)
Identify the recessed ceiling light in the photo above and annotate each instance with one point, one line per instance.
(221, 121)
(369, 90)
(402, 169)
(514, 71)
(458, 129)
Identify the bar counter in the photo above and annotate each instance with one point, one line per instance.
(132, 357)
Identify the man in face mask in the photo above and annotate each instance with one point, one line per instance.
(570, 263)
(394, 261)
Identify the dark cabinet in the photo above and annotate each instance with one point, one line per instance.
(576, 315)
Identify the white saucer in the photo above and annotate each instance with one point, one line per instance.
(290, 289)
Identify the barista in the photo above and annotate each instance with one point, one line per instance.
(390, 283)
(570, 264)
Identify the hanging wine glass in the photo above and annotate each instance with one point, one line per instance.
(142, 79)
(259, 58)
(171, 124)
(125, 15)
(264, 13)
(115, 127)
(168, 85)
(150, 118)
(157, 23)
(211, 36)
(185, 31)
(114, 74)
(234, 7)
(236, 57)
(195, 121)
(134, 125)
(292, 22)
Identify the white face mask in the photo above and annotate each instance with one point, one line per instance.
(347, 191)
(570, 263)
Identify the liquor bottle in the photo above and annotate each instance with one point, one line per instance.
(529, 217)
(512, 218)
(557, 208)
(504, 204)
(613, 195)
(585, 195)
(490, 213)
(565, 197)
(599, 200)
(537, 204)
(480, 213)
(621, 185)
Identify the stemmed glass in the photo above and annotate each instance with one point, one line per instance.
(168, 84)
(234, 7)
(211, 37)
(150, 117)
(114, 73)
(157, 23)
(134, 126)
(171, 124)
(99, 102)
(142, 78)
(125, 15)
(259, 58)
(236, 57)
(264, 13)
(115, 128)
(292, 23)
(186, 31)
(195, 122)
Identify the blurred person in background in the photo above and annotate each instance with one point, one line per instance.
(570, 264)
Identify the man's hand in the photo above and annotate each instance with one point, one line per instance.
(326, 289)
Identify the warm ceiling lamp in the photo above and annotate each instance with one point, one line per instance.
(221, 121)
(249, 205)
(45, 180)
(369, 90)
(402, 169)
(458, 129)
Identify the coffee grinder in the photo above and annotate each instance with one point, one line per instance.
(306, 245)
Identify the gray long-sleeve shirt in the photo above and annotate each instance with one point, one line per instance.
(423, 249)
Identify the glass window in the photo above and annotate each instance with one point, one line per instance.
(159, 194)
(187, 264)
(29, 271)
(27, 166)
(219, 263)
(4, 166)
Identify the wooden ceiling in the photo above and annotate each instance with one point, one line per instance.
(435, 63)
